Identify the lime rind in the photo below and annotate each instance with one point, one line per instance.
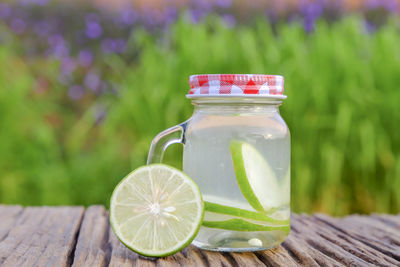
(255, 177)
(259, 185)
(237, 212)
(244, 226)
(179, 245)
(241, 176)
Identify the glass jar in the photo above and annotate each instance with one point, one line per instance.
(237, 149)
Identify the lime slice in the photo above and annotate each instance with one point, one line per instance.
(255, 177)
(243, 225)
(156, 210)
(237, 212)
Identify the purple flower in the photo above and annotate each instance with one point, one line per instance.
(93, 30)
(18, 25)
(309, 24)
(223, 3)
(120, 45)
(33, 2)
(272, 15)
(92, 81)
(311, 12)
(369, 27)
(42, 28)
(372, 4)
(205, 5)
(68, 65)
(108, 45)
(55, 40)
(113, 45)
(5, 10)
(292, 18)
(128, 16)
(41, 2)
(85, 58)
(92, 17)
(170, 15)
(196, 15)
(75, 92)
(58, 46)
(151, 17)
(389, 5)
(229, 20)
(61, 52)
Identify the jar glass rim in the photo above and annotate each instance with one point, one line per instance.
(237, 97)
(240, 100)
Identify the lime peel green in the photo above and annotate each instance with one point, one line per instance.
(222, 209)
(244, 226)
(166, 228)
(255, 177)
(241, 176)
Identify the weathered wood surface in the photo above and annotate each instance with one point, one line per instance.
(37, 236)
(73, 236)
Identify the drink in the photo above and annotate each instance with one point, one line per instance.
(236, 147)
(208, 160)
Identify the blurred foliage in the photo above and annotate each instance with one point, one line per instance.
(342, 108)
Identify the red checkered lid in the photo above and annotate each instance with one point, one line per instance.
(236, 85)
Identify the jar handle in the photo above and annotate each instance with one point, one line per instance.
(163, 140)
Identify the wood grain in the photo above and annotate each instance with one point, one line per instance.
(92, 248)
(44, 236)
(8, 217)
(72, 236)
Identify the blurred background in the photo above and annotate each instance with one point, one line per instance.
(86, 85)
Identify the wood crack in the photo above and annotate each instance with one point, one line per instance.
(264, 260)
(336, 255)
(229, 257)
(71, 254)
(107, 247)
(202, 256)
(294, 249)
(10, 215)
(368, 241)
(355, 247)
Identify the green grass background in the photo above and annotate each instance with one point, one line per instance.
(343, 110)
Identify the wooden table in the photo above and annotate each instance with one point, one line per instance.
(74, 236)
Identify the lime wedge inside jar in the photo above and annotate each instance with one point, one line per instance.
(255, 177)
(237, 217)
(243, 213)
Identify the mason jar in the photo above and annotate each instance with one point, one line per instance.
(237, 149)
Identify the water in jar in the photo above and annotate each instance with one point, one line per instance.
(208, 160)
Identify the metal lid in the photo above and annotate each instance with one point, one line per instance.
(236, 85)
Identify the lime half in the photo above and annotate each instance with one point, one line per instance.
(255, 177)
(156, 210)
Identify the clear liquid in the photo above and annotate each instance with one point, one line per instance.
(207, 159)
